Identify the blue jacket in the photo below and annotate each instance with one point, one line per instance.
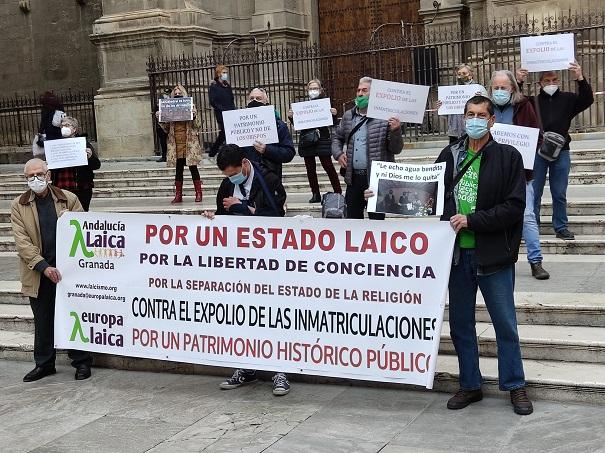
(221, 98)
(275, 154)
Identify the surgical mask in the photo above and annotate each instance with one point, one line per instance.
(66, 132)
(550, 89)
(501, 97)
(313, 94)
(476, 127)
(362, 102)
(37, 185)
(255, 103)
(238, 178)
(225, 77)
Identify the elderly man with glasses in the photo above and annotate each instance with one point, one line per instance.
(34, 217)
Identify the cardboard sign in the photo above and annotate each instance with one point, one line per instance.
(547, 53)
(245, 126)
(525, 139)
(176, 109)
(453, 97)
(405, 189)
(399, 100)
(312, 114)
(66, 152)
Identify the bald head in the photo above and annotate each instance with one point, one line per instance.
(35, 166)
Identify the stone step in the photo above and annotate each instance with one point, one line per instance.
(580, 225)
(555, 343)
(582, 245)
(550, 380)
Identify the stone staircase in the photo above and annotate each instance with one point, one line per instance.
(561, 322)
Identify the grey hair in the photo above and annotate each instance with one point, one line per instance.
(33, 161)
(464, 65)
(516, 95)
(366, 80)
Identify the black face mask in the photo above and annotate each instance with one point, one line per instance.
(255, 103)
(178, 95)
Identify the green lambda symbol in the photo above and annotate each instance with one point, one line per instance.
(79, 241)
(77, 329)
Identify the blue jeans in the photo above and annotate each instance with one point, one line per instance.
(497, 290)
(531, 234)
(558, 177)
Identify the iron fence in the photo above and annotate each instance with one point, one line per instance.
(20, 116)
(420, 56)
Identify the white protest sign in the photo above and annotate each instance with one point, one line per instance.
(453, 97)
(312, 114)
(175, 109)
(548, 52)
(525, 139)
(65, 152)
(363, 301)
(245, 126)
(399, 100)
(405, 189)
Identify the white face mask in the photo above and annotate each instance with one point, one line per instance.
(550, 89)
(225, 77)
(37, 185)
(314, 94)
(66, 131)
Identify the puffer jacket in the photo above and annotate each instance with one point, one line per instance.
(26, 229)
(383, 144)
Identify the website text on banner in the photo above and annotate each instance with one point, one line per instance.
(291, 296)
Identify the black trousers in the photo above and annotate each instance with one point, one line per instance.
(355, 201)
(84, 195)
(163, 139)
(221, 136)
(180, 167)
(43, 308)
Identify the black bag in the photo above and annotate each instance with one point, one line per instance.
(308, 138)
(552, 145)
(333, 206)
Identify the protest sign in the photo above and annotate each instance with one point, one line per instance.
(453, 97)
(312, 114)
(363, 301)
(176, 109)
(525, 139)
(399, 100)
(548, 52)
(245, 126)
(410, 190)
(65, 152)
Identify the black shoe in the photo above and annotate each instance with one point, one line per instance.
(161, 159)
(520, 401)
(38, 373)
(538, 272)
(566, 235)
(240, 377)
(463, 398)
(82, 372)
(316, 198)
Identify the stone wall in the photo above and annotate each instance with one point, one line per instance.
(48, 48)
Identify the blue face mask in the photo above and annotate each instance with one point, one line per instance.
(238, 178)
(476, 127)
(501, 97)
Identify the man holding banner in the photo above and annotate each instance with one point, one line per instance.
(487, 214)
(357, 142)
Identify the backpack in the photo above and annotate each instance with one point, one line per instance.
(333, 206)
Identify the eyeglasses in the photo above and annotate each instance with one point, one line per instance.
(41, 176)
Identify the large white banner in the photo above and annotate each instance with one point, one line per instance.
(399, 100)
(356, 299)
(243, 127)
(548, 52)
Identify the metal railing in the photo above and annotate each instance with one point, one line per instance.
(20, 116)
(425, 57)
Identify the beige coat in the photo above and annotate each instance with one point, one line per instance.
(26, 229)
(193, 156)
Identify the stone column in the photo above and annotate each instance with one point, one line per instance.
(126, 35)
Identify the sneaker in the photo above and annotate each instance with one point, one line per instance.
(566, 235)
(240, 377)
(463, 398)
(281, 386)
(520, 401)
(538, 272)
